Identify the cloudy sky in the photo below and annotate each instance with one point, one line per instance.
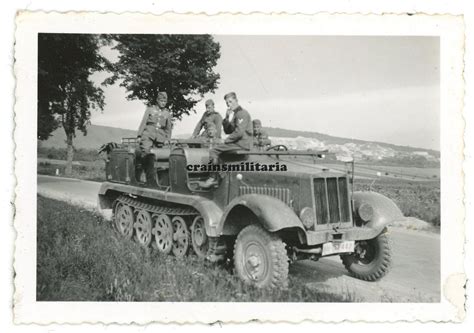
(372, 88)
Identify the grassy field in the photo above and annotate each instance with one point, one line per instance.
(81, 258)
(416, 199)
(88, 170)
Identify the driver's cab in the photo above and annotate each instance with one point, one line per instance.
(189, 167)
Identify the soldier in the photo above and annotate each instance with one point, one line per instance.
(211, 134)
(210, 116)
(260, 137)
(154, 131)
(240, 134)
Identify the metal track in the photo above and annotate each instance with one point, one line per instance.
(217, 247)
(155, 209)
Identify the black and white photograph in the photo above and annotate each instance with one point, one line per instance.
(238, 167)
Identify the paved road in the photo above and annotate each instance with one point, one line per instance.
(415, 275)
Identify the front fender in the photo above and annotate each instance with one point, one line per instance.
(385, 210)
(272, 213)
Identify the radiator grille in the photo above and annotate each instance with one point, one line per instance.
(277, 192)
(331, 200)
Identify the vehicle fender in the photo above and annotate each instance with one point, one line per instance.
(271, 212)
(211, 214)
(385, 211)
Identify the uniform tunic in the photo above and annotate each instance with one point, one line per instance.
(240, 134)
(207, 118)
(155, 128)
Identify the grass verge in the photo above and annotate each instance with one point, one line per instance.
(87, 170)
(81, 258)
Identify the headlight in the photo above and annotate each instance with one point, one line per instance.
(307, 217)
(366, 212)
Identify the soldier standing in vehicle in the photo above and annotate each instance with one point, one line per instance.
(260, 137)
(210, 116)
(154, 131)
(240, 134)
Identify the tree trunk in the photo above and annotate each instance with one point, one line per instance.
(70, 154)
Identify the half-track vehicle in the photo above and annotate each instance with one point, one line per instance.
(262, 221)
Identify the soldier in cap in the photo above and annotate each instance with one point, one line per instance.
(260, 137)
(211, 135)
(154, 131)
(240, 134)
(210, 116)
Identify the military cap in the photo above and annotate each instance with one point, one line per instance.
(162, 95)
(231, 94)
(209, 102)
(257, 121)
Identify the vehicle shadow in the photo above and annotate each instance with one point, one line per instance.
(320, 271)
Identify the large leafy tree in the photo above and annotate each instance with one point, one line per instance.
(66, 93)
(181, 65)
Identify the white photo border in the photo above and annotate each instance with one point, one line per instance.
(450, 30)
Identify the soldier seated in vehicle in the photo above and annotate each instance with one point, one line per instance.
(260, 137)
(209, 118)
(240, 135)
(154, 131)
(211, 135)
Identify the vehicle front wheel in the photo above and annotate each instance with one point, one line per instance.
(372, 258)
(260, 258)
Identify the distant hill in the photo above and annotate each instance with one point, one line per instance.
(96, 136)
(360, 150)
(334, 140)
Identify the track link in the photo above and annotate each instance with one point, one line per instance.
(155, 209)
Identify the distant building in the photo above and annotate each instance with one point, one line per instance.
(422, 153)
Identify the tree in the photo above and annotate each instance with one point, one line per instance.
(181, 65)
(66, 94)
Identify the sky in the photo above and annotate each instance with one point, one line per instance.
(372, 88)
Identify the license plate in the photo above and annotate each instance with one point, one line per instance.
(338, 247)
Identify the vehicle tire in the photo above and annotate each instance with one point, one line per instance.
(181, 237)
(260, 258)
(163, 233)
(143, 226)
(124, 220)
(199, 238)
(376, 261)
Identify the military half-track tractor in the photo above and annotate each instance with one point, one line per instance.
(262, 220)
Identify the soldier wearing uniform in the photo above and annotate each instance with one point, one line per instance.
(154, 131)
(260, 137)
(209, 118)
(240, 134)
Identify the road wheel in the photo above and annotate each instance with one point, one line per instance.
(260, 258)
(124, 220)
(199, 237)
(163, 232)
(142, 226)
(372, 258)
(181, 237)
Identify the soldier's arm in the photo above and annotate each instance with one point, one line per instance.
(228, 126)
(218, 123)
(169, 126)
(142, 126)
(198, 127)
(242, 122)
